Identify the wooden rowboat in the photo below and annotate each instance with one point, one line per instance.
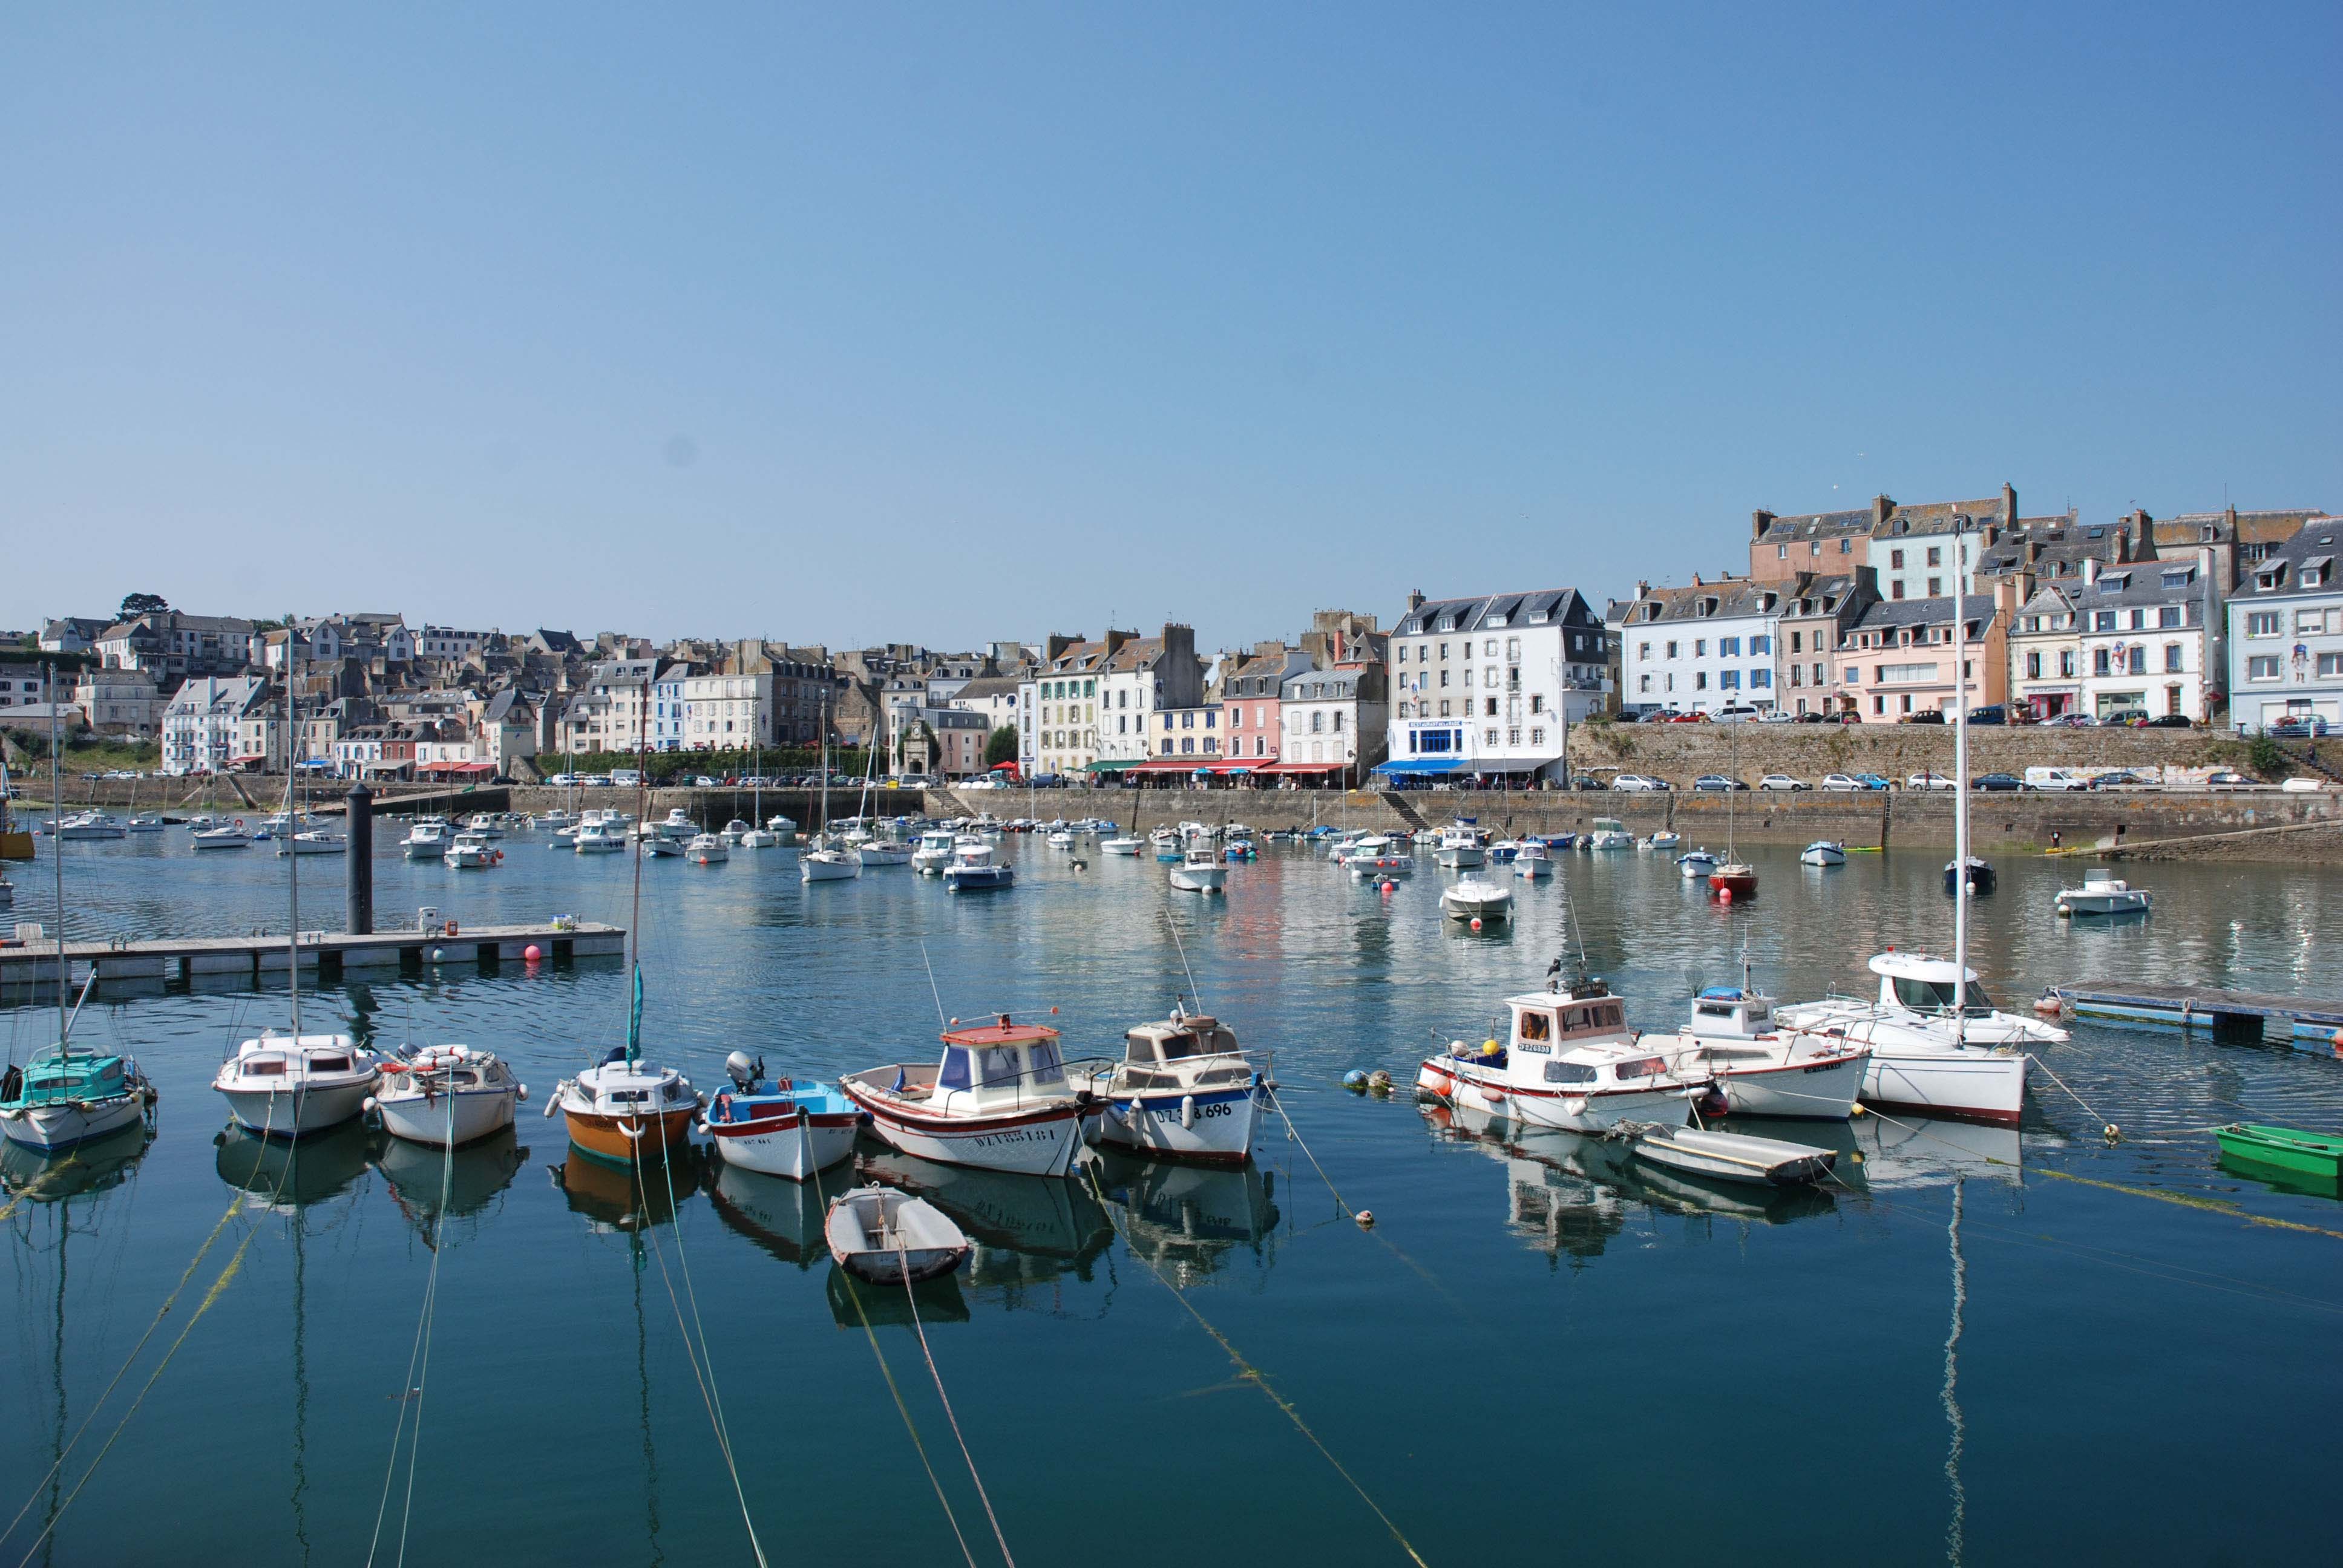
(2314, 1154)
(891, 1238)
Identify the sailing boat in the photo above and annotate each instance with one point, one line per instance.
(282, 1086)
(1734, 878)
(62, 1098)
(755, 835)
(881, 849)
(823, 861)
(623, 1110)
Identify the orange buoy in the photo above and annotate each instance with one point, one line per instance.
(1476, 922)
(531, 952)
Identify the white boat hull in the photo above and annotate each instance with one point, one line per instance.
(1812, 1090)
(1823, 855)
(1596, 1113)
(793, 1153)
(426, 1118)
(1199, 878)
(48, 1127)
(1470, 908)
(1459, 859)
(1039, 1145)
(296, 1113)
(2092, 904)
(1977, 1084)
(1215, 1127)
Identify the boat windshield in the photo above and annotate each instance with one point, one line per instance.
(1936, 996)
(1042, 1054)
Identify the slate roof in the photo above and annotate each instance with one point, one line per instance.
(2144, 583)
(2320, 537)
(1337, 684)
(1537, 606)
(1730, 599)
(1895, 614)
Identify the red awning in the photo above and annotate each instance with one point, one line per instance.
(1302, 768)
(1167, 765)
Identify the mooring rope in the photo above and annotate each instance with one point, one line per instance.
(1254, 1374)
(2107, 1129)
(418, 1355)
(903, 1260)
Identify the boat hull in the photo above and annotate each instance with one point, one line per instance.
(2102, 903)
(1216, 1127)
(1038, 1143)
(299, 1111)
(1805, 1091)
(477, 1113)
(623, 1140)
(977, 878)
(789, 1149)
(63, 1125)
(1199, 878)
(1973, 1085)
(1741, 885)
(1462, 1086)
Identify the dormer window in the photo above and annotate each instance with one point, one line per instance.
(2178, 580)
(2271, 576)
(2317, 570)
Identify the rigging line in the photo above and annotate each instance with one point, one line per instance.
(1182, 948)
(911, 1296)
(419, 1353)
(1246, 1370)
(226, 1274)
(691, 1294)
(716, 1420)
(1341, 1203)
(931, 984)
(1955, 1530)
(854, 1295)
(2210, 1205)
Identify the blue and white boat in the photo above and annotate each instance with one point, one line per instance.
(63, 1097)
(1695, 863)
(976, 870)
(1183, 1091)
(792, 1127)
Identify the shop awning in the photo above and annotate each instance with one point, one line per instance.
(1122, 765)
(1425, 765)
(1169, 765)
(1304, 768)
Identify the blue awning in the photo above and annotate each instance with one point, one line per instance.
(1424, 765)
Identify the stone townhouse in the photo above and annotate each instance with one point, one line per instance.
(2046, 654)
(1816, 613)
(1487, 686)
(1251, 688)
(23, 686)
(1066, 704)
(1142, 678)
(202, 723)
(2286, 632)
(2147, 642)
(1908, 548)
(171, 645)
(117, 701)
(1336, 724)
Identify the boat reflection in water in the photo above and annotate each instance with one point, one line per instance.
(611, 1199)
(854, 1302)
(778, 1215)
(1192, 1221)
(285, 1175)
(472, 1178)
(99, 1164)
(1925, 1151)
(1568, 1193)
(1027, 1230)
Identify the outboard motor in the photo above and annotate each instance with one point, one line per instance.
(745, 1073)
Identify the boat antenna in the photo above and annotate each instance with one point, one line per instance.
(1960, 777)
(635, 915)
(1569, 928)
(292, 818)
(932, 985)
(1195, 995)
(58, 852)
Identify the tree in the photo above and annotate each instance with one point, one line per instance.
(1000, 746)
(138, 603)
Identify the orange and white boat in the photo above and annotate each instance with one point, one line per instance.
(1000, 1099)
(625, 1110)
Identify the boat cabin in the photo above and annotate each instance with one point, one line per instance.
(997, 1065)
(1181, 1053)
(1920, 982)
(53, 1078)
(1548, 1021)
(1727, 1013)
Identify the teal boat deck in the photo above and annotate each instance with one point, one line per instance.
(2233, 1014)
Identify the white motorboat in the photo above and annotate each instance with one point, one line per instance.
(884, 851)
(471, 852)
(1695, 864)
(553, 822)
(1666, 839)
(1735, 1156)
(1363, 846)
(1609, 833)
(824, 863)
(603, 837)
(145, 822)
(1761, 1069)
(1476, 899)
(487, 824)
(67, 1095)
(784, 825)
(997, 1100)
(1532, 860)
(677, 825)
(284, 824)
(790, 1128)
(1062, 839)
(226, 838)
(1338, 844)
(975, 868)
(758, 838)
(87, 825)
(428, 839)
(288, 1086)
(734, 832)
(1823, 852)
(1200, 871)
(1123, 845)
(1461, 845)
(890, 1238)
(447, 1095)
(2102, 893)
(656, 845)
(1929, 1052)
(1394, 861)
(933, 853)
(708, 849)
(1184, 1089)
(1570, 1062)
(317, 842)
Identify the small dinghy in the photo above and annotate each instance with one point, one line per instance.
(1981, 878)
(1695, 864)
(2313, 1154)
(1735, 1156)
(890, 1238)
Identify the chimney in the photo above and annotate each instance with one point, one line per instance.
(1695, 579)
(1416, 600)
(1115, 639)
(1643, 590)
(1882, 507)
(2008, 502)
(1757, 521)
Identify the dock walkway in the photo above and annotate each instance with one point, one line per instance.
(2224, 1012)
(33, 964)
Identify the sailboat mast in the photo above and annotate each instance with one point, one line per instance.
(57, 853)
(293, 824)
(635, 911)
(1960, 771)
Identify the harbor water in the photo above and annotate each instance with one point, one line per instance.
(1979, 1344)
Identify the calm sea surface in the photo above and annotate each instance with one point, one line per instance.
(1985, 1345)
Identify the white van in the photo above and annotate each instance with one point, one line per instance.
(2059, 778)
(626, 779)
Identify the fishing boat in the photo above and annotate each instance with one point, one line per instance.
(316, 842)
(1734, 1156)
(1532, 860)
(145, 822)
(1570, 1062)
(2317, 1155)
(1823, 852)
(1394, 861)
(708, 849)
(999, 1098)
(88, 825)
(890, 1238)
(1477, 899)
(1184, 1089)
(1694, 865)
(2102, 893)
(676, 826)
(428, 839)
(446, 1096)
(1200, 871)
(1461, 845)
(487, 824)
(1761, 1069)
(933, 853)
(658, 845)
(1980, 877)
(1122, 844)
(1609, 833)
(471, 852)
(733, 831)
(792, 1127)
(1666, 839)
(603, 837)
(977, 868)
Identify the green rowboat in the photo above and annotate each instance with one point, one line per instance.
(2283, 1149)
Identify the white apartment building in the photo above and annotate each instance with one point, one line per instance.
(445, 642)
(203, 722)
(610, 711)
(1333, 721)
(2143, 628)
(727, 712)
(1701, 647)
(2286, 636)
(2046, 654)
(1485, 685)
(1144, 677)
(1066, 710)
(115, 701)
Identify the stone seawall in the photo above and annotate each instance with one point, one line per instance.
(1682, 752)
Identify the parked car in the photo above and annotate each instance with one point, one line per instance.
(2303, 784)
(1631, 716)
(2070, 721)
(702, 781)
(625, 779)
(1996, 781)
(2169, 721)
(1687, 719)
(1587, 781)
(1874, 782)
(1992, 714)
(2225, 779)
(2307, 728)
(1639, 783)
(2129, 719)
(1736, 713)
(1841, 783)
(1926, 715)
(1812, 719)
(1929, 782)
(1781, 781)
(563, 781)
(1777, 715)
(1717, 784)
(2056, 779)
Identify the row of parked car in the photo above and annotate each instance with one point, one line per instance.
(1995, 714)
(2046, 779)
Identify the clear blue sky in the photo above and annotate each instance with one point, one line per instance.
(939, 324)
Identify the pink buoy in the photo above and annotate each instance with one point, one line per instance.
(532, 952)
(1476, 922)
(1725, 895)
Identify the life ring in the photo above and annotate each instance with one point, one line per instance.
(239, 824)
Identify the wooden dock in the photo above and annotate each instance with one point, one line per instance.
(31, 966)
(2225, 1013)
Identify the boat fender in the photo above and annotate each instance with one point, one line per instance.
(370, 1105)
(2112, 1133)
(553, 1105)
(2047, 1005)
(521, 1093)
(1188, 1113)
(701, 1099)
(1366, 1218)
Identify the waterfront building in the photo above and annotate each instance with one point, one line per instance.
(203, 722)
(1896, 660)
(1139, 679)
(1816, 613)
(1703, 648)
(2286, 632)
(2046, 654)
(115, 701)
(610, 710)
(724, 712)
(1066, 704)
(171, 645)
(1252, 687)
(1486, 685)
(1908, 548)
(2143, 629)
(1336, 724)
